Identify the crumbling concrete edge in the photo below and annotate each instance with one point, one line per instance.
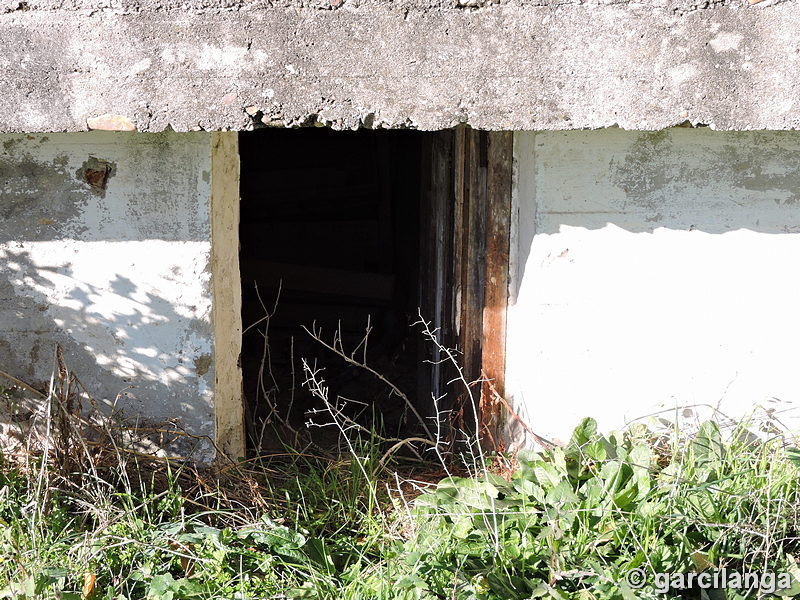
(507, 66)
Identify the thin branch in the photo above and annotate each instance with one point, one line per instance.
(339, 350)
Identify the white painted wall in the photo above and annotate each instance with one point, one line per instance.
(653, 270)
(119, 278)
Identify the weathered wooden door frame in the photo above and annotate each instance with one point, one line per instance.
(466, 220)
(226, 288)
(464, 232)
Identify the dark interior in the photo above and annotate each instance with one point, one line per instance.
(332, 219)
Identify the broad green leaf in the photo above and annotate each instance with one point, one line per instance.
(585, 432)
(703, 504)
(318, 553)
(707, 446)
(593, 492)
(596, 450)
(559, 461)
(546, 475)
(527, 487)
(462, 526)
(625, 497)
(161, 587)
(562, 495)
(640, 458)
(269, 533)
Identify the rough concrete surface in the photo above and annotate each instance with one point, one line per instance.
(105, 250)
(429, 64)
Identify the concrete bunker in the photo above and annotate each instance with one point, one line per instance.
(605, 250)
(124, 247)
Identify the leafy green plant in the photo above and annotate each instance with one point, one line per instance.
(573, 522)
(567, 523)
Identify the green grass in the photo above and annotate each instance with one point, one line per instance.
(566, 523)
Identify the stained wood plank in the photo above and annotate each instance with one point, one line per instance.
(473, 258)
(460, 191)
(498, 226)
(436, 269)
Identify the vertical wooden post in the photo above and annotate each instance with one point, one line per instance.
(227, 294)
(482, 179)
(466, 229)
(498, 228)
(436, 273)
(495, 304)
(473, 266)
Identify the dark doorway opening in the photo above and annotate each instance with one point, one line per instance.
(330, 240)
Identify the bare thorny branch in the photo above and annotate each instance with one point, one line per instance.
(337, 347)
(267, 385)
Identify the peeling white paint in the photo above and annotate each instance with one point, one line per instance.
(118, 276)
(105, 292)
(652, 271)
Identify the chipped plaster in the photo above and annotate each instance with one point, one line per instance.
(119, 279)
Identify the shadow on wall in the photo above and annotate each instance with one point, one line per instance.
(116, 279)
(117, 339)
